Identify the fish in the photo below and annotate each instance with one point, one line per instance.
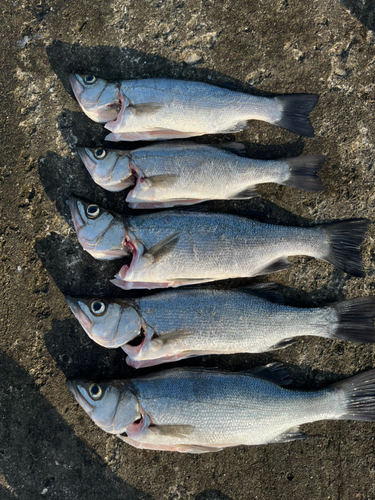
(185, 173)
(160, 109)
(194, 410)
(176, 248)
(177, 324)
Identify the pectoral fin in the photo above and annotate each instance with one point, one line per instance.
(176, 431)
(170, 337)
(146, 108)
(161, 181)
(162, 248)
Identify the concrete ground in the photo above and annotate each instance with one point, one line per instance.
(49, 448)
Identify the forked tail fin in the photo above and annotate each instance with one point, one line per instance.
(359, 395)
(304, 172)
(355, 320)
(343, 249)
(295, 111)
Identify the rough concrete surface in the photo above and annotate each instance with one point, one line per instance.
(49, 448)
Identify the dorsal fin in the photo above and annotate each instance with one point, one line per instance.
(267, 291)
(273, 372)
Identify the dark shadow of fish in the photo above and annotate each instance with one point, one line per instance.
(39, 452)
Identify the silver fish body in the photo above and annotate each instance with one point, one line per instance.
(170, 174)
(173, 325)
(160, 109)
(171, 249)
(181, 248)
(196, 411)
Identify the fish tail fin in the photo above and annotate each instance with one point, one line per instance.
(359, 396)
(303, 172)
(355, 320)
(295, 109)
(343, 248)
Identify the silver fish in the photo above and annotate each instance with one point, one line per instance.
(160, 109)
(171, 249)
(170, 174)
(173, 325)
(196, 411)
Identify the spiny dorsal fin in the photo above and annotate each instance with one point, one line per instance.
(162, 248)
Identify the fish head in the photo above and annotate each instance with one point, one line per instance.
(112, 405)
(99, 99)
(110, 169)
(101, 233)
(111, 323)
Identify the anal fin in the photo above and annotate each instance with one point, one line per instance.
(291, 434)
(245, 194)
(275, 266)
(283, 343)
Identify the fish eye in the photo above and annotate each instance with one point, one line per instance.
(89, 79)
(93, 211)
(100, 153)
(95, 391)
(97, 307)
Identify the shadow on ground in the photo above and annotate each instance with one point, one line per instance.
(364, 13)
(41, 455)
(68, 58)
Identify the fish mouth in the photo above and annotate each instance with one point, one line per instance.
(76, 85)
(77, 218)
(86, 159)
(76, 388)
(76, 309)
